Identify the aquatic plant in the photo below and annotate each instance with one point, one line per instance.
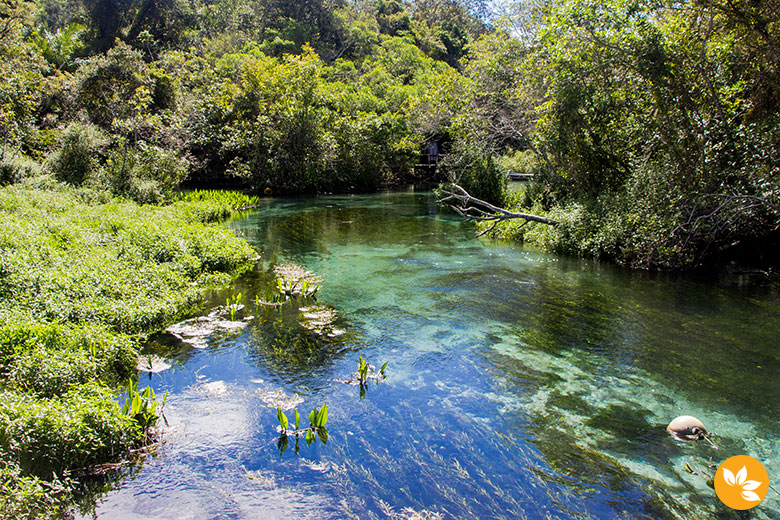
(317, 420)
(295, 281)
(142, 407)
(235, 199)
(408, 513)
(365, 373)
(234, 305)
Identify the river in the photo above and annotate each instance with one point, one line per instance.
(520, 384)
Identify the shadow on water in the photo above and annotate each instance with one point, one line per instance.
(520, 384)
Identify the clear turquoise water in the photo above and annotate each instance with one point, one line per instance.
(520, 384)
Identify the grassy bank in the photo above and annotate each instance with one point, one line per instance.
(82, 276)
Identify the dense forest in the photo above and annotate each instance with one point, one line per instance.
(651, 127)
(652, 131)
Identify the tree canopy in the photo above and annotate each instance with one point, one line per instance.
(651, 127)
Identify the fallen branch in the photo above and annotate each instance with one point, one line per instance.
(478, 210)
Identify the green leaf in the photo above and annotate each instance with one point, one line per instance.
(322, 417)
(323, 433)
(313, 417)
(282, 418)
(282, 444)
(309, 437)
(382, 370)
(297, 418)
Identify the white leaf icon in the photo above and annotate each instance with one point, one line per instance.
(728, 476)
(750, 496)
(741, 475)
(750, 485)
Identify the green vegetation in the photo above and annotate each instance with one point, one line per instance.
(82, 275)
(306, 96)
(317, 420)
(651, 128)
(651, 125)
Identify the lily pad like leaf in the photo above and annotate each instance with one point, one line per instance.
(322, 416)
(283, 422)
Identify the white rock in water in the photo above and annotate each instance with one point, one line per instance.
(687, 427)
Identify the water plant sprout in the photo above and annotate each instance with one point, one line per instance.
(142, 407)
(234, 305)
(365, 373)
(317, 420)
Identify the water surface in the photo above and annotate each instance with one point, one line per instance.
(520, 384)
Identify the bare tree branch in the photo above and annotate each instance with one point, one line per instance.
(472, 208)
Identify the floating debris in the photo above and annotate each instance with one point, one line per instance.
(215, 388)
(195, 331)
(264, 481)
(686, 427)
(278, 399)
(152, 364)
(408, 513)
(320, 319)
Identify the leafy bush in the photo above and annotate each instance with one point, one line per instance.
(77, 157)
(52, 358)
(26, 497)
(477, 172)
(519, 161)
(145, 173)
(15, 167)
(81, 428)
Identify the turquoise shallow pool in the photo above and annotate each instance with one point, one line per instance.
(520, 384)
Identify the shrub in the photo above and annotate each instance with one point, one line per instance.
(144, 173)
(25, 497)
(53, 358)
(128, 267)
(15, 167)
(81, 428)
(477, 172)
(76, 158)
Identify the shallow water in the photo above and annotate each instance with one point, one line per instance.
(520, 384)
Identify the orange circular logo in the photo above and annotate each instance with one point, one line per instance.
(741, 482)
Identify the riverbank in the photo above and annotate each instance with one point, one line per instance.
(83, 276)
